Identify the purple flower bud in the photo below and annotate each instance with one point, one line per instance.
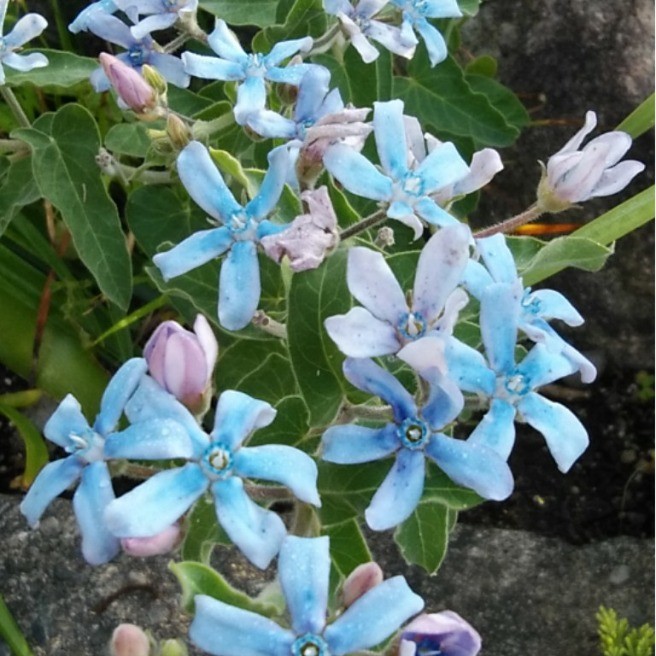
(444, 633)
(182, 362)
(155, 545)
(129, 640)
(573, 175)
(309, 237)
(133, 91)
(361, 580)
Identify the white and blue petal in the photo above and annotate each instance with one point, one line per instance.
(304, 571)
(373, 617)
(24, 62)
(204, 183)
(153, 439)
(90, 500)
(476, 278)
(225, 44)
(359, 334)
(402, 211)
(390, 37)
(272, 185)
(283, 464)
(239, 286)
(156, 503)
(500, 308)
(251, 98)
(212, 68)
(237, 416)
(389, 132)
(65, 421)
(435, 43)
(312, 91)
(112, 29)
(496, 430)
(288, 74)
(542, 366)
(153, 23)
(471, 465)
(467, 367)
(550, 304)
(566, 436)
(257, 532)
(117, 393)
(497, 258)
(367, 376)
(351, 444)
(442, 167)
(26, 28)
(285, 49)
(224, 630)
(51, 481)
(400, 492)
(441, 9)
(444, 403)
(431, 212)
(356, 173)
(270, 124)
(171, 68)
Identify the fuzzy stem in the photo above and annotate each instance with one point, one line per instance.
(15, 106)
(176, 43)
(364, 224)
(323, 43)
(268, 492)
(350, 412)
(264, 322)
(514, 222)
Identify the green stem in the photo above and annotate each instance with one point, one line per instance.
(305, 522)
(13, 146)
(350, 412)
(15, 106)
(176, 43)
(203, 129)
(11, 633)
(323, 42)
(366, 223)
(511, 224)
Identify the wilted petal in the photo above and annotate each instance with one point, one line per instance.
(156, 503)
(351, 444)
(257, 532)
(154, 439)
(362, 579)
(224, 630)
(237, 416)
(304, 567)
(283, 464)
(67, 419)
(566, 436)
(239, 286)
(359, 334)
(400, 492)
(496, 430)
(373, 617)
(89, 502)
(472, 465)
(390, 137)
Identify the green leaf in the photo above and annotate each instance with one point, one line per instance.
(442, 98)
(202, 532)
(36, 452)
(348, 548)
(243, 12)
(18, 189)
(64, 70)
(438, 487)
(305, 18)
(313, 297)
(483, 65)
(197, 578)
(290, 426)
(565, 252)
(501, 98)
(66, 173)
(10, 632)
(231, 166)
(128, 139)
(423, 538)
(640, 119)
(469, 7)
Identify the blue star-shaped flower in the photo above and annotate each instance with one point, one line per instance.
(161, 14)
(412, 437)
(304, 572)
(86, 444)
(85, 17)
(217, 462)
(239, 285)
(405, 189)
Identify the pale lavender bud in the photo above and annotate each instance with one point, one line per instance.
(309, 237)
(129, 640)
(133, 91)
(572, 175)
(182, 362)
(360, 580)
(444, 633)
(162, 543)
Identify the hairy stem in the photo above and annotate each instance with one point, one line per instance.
(366, 223)
(514, 222)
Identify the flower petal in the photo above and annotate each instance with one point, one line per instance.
(26, 28)
(118, 392)
(225, 44)
(351, 444)
(390, 37)
(471, 465)
(251, 98)
(552, 305)
(566, 436)
(500, 307)
(373, 617)
(257, 532)
(311, 93)
(156, 503)
(67, 419)
(431, 212)
(476, 278)
(359, 334)
(171, 68)
(24, 62)
(204, 183)
(498, 258)
(542, 366)
(617, 177)
(467, 367)
(152, 24)
(51, 481)
(154, 439)
(224, 630)
(400, 492)
(366, 375)
(575, 142)
(356, 173)
(485, 164)
(285, 49)
(391, 143)
(440, 268)
(442, 167)
(212, 68)
(271, 125)
(237, 416)
(239, 286)
(282, 464)
(435, 43)
(304, 571)
(444, 403)
(90, 500)
(265, 201)
(496, 430)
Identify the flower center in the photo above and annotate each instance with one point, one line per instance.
(217, 461)
(411, 325)
(137, 55)
(512, 387)
(531, 305)
(413, 433)
(413, 185)
(240, 226)
(310, 645)
(256, 66)
(87, 445)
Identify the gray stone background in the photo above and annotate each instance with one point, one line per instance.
(527, 595)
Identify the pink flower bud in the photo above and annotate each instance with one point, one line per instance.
(360, 580)
(132, 89)
(443, 633)
(182, 362)
(155, 545)
(309, 237)
(129, 640)
(574, 175)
